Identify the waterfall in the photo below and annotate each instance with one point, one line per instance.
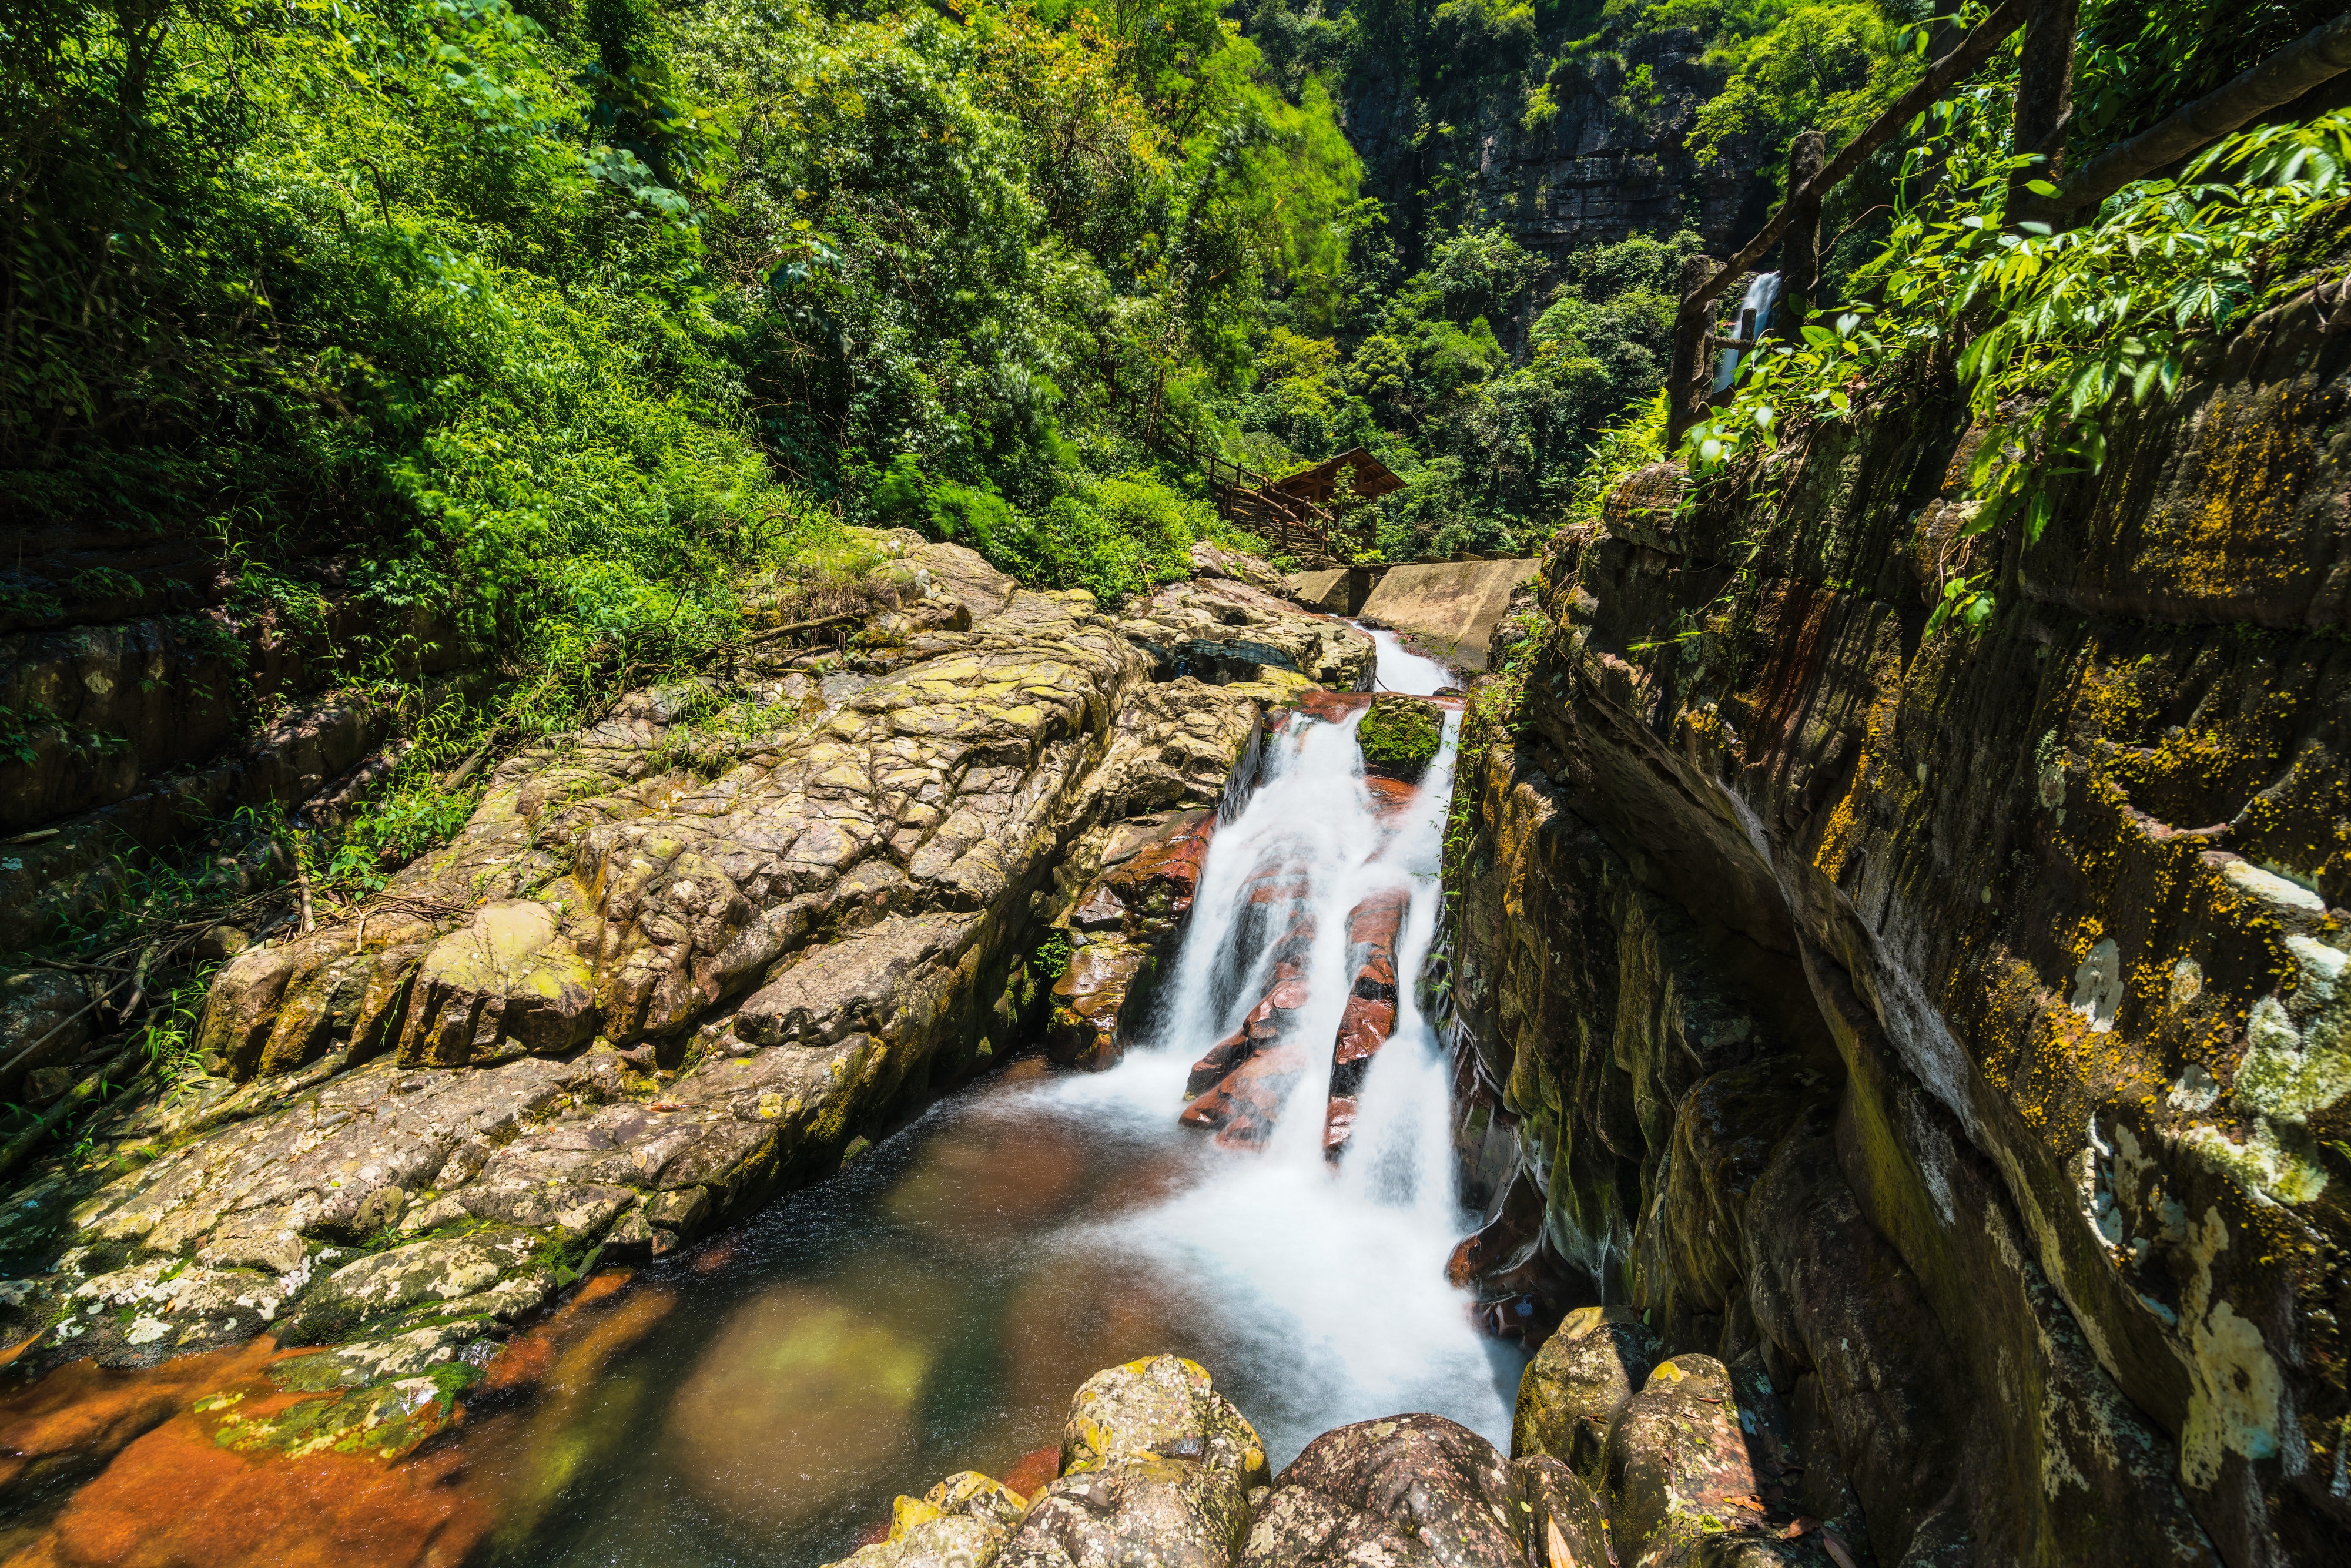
(1753, 319)
(930, 1308)
(1333, 1278)
(1402, 670)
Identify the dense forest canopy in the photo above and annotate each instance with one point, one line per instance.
(569, 319)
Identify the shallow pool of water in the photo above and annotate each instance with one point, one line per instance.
(932, 1307)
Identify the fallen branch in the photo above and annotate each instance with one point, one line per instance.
(466, 769)
(774, 632)
(139, 977)
(1685, 380)
(73, 968)
(31, 1139)
(71, 1018)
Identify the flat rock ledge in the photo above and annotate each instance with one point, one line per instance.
(675, 963)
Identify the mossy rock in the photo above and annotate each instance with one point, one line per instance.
(1399, 735)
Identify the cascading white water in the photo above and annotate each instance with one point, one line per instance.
(1333, 1279)
(1402, 670)
(932, 1307)
(1762, 295)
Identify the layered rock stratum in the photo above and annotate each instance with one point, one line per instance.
(1948, 1031)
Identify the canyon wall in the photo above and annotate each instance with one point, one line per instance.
(1442, 121)
(1952, 1025)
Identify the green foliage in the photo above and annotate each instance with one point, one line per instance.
(2052, 335)
(1488, 435)
(1051, 959)
(1115, 536)
(2136, 62)
(1829, 67)
(559, 326)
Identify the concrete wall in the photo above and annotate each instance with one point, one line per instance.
(1334, 590)
(1449, 609)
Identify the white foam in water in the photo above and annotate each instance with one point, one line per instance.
(1332, 1282)
(1402, 670)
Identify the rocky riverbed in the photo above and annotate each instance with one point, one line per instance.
(1621, 1456)
(675, 964)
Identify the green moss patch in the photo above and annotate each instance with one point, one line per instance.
(1398, 736)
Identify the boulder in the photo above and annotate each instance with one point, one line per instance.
(495, 1272)
(1400, 736)
(1583, 1377)
(1082, 1029)
(1223, 631)
(962, 1523)
(1403, 1490)
(1220, 560)
(1156, 1467)
(1685, 1489)
(44, 1019)
(1555, 1499)
(1370, 1011)
(506, 984)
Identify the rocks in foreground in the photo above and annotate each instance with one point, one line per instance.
(1682, 1465)
(1156, 1465)
(1404, 1490)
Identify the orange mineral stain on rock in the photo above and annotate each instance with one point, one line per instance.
(175, 1499)
(82, 1413)
(1033, 1471)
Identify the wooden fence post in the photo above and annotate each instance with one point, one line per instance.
(2045, 106)
(1800, 253)
(1685, 380)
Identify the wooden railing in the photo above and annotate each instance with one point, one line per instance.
(2044, 98)
(1291, 526)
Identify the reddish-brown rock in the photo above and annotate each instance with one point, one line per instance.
(1159, 880)
(1083, 1029)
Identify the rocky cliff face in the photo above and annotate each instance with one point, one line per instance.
(1949, 1033)
(1446, 137)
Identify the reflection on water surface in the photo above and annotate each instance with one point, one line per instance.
(932, 1309)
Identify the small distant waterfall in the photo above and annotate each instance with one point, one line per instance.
(1754, 318)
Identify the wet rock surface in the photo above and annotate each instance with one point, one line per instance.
(1402, 1489)
(1156, 1467)
(674, 962)
(1579, 1381)
(1121, 924)
(1947, 1022)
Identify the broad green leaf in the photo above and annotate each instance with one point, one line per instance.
(2036, 517)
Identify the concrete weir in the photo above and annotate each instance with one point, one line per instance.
(1448, 608)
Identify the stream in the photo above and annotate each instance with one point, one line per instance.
(932, 1307)
(761, 1397)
